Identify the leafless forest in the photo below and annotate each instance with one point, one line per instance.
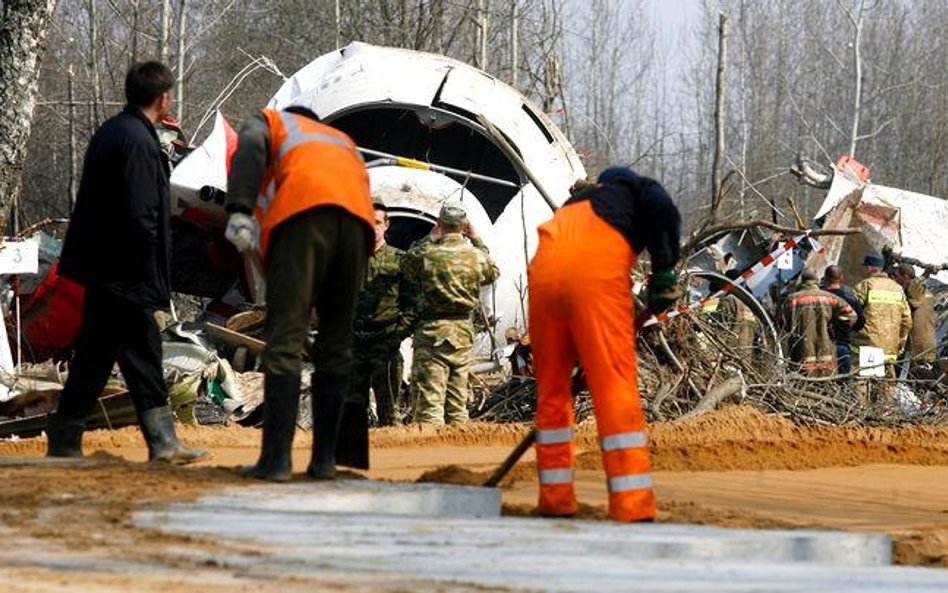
(818, 77)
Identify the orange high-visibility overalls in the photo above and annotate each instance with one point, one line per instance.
(581, 307)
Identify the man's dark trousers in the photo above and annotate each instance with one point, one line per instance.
(114, 329)
(843, 357)
(316, 258)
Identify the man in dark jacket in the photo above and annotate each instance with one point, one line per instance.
(117, 246)
(842, 332)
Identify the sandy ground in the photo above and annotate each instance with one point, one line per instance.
(734, 467)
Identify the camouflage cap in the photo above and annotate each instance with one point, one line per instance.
(452, 213)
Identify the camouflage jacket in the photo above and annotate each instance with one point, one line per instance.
(443, 278)
(922, 339)
(377, 313)
(807, 315)
(888, 317)
(739, 320)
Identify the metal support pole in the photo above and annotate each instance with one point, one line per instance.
(411, 163)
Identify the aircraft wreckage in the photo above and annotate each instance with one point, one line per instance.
(429, 128)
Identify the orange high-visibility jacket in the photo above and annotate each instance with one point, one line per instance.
(309, 165)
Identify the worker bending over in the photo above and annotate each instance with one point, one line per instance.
(313, 224)
(581, 308)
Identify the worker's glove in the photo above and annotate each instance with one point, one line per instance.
(662, 291)
(241, 231)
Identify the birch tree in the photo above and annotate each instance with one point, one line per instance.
(23, 30)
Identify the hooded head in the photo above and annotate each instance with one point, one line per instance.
(617, 173)
(302, 110)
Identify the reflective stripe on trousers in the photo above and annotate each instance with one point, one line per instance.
(556, 476)
(554, 436)
(624, 440)
(631, 482)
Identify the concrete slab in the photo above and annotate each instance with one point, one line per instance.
(363, 496)
(47, 461)
(387, 550)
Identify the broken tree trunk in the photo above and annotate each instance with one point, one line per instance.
(234, 338)
(716, 395)
(719, 148)
(810, 174)
(23, 30)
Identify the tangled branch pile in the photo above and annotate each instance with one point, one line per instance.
(688, 367)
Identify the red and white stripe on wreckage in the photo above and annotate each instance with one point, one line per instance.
(765, 262)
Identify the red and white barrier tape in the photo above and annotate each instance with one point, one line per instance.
(767, 261)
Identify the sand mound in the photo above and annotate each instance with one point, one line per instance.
(740, 437)
(472, 433)
(743, 438)
(454, 474)
(732, 438)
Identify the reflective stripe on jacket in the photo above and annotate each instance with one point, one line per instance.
(807, 315)
(888, 318)
(309, 165)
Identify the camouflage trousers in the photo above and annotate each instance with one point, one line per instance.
(378, 366)
(439, 372)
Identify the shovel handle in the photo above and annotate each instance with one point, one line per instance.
(512, 459)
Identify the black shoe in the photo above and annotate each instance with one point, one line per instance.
(329, 391)
(157, 426)
(281, 397)
(64, 436)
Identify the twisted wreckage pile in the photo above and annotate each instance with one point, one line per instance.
(688, 364)
(692, 363)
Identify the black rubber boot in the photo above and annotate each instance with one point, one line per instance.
(329, 391)
(281, 404)
(385, 408)
(64, 436)
(157, 426)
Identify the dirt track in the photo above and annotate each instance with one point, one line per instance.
(734, 467)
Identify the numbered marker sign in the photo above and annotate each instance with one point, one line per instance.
(19, 257)
(871, 362)
(785, 261)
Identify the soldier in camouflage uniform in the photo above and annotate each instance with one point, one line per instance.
(380, 327)
(443, 275)
(738, 319)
